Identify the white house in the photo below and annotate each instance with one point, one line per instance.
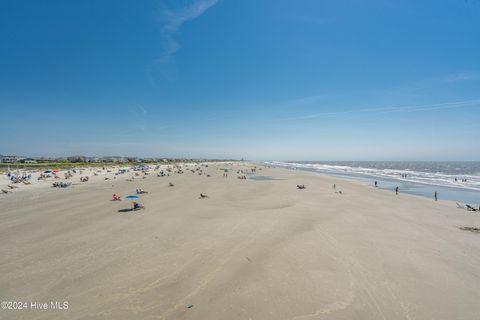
(10, 159)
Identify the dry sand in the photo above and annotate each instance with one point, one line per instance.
(252, 250)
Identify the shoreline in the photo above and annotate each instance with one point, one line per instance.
(416, 188)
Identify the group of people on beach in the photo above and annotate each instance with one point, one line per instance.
(14, 178)
(139, 191)
(61, 184)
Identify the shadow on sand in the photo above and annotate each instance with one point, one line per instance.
(125, 210)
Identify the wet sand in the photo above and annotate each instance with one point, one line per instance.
(255, 249)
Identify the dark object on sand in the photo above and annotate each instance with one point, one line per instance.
(301, 186)
(61, 184)
(472, 229)
(170, 184)
(203, 196)
(138, 206)
(190, 306)
(470, 208)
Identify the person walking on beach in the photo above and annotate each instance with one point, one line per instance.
(376, 183)
(436, 196)
(396, 190)
(334, 187)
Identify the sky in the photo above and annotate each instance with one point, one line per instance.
(262, 80)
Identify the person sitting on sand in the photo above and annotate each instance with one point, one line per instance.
(138, 206)
(141, 191)
(301, 186)
(170, 184)
(116, 197)
(203, 196)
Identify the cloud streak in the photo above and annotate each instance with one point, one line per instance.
(463, 76)
(171, 20)
(397, 109)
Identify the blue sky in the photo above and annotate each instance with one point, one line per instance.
(287, 80)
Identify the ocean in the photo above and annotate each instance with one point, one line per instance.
(455, 180)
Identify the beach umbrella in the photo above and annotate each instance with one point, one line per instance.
(131, 198)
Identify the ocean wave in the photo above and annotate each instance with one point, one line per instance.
(429, 176)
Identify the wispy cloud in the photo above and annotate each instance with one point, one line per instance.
(171, 20)
(395, 109)
(463, 76)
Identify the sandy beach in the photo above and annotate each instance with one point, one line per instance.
(254, 249)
